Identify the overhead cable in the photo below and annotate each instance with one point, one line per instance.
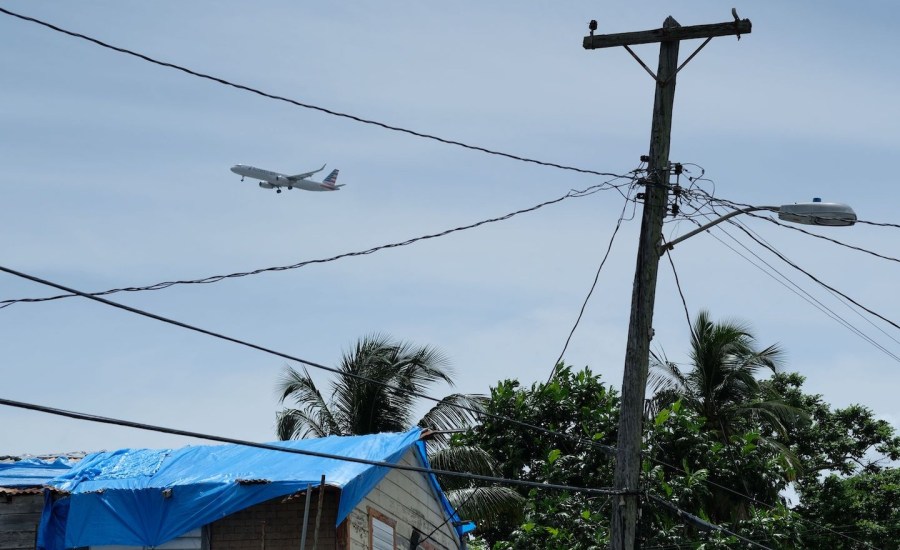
(605, 448)
(217, 278)
(880, 224)
(593, 285)
(793, 287)
(680, 293)
(813, 277)
(701, 523)
(838, 297)
(272, 447)
(299, 103)
(737, 206)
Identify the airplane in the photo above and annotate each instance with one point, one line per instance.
(274, 180)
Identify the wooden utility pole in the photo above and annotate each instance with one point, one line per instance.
(640, 326)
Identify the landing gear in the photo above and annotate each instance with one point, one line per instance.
(278, 190)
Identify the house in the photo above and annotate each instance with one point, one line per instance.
(21, 496)
(235, 497)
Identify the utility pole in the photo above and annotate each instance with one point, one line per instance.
(640, 327)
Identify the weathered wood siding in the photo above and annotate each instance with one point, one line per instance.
(407, 498)
(277, 525)
(19, 518)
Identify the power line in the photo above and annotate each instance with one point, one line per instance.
(222, 439)
(802, 293)
(299, 103)
(839, 298)
(799, 291)
(701, 523)
(880, 224)
(593, 285)
(680, 292)
(738, 206)
(609, 450)
(813, 277)
(605, 448)
(217, 278)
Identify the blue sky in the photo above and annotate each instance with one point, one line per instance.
(115, 173)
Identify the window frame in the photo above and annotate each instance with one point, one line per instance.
(383, 518)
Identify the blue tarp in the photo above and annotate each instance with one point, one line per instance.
(32, 472)
(146, 497)
(462, 527)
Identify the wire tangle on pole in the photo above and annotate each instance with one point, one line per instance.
(299, 103)
(217, 278)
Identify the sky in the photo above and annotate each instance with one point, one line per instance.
(115, 173)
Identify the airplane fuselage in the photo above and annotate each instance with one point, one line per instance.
(274, 180)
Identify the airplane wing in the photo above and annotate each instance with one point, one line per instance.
(305, 175)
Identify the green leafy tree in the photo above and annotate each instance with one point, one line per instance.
(582, 408)
(863, 508)
(849, 485)
(581, 405)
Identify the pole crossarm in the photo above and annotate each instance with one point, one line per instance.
(731, 28)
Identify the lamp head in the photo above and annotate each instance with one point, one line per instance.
(818, 213)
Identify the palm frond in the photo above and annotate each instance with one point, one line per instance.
(463, 458)
(297, 424)
(489, 506)
(447, 414)
(315, 413)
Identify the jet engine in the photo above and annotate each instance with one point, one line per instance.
(266, 185)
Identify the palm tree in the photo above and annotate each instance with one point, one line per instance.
(375, 392)
(722, 388)
(721, 385)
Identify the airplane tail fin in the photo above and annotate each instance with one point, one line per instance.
(331, 180)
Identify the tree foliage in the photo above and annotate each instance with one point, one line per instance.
(837, 461)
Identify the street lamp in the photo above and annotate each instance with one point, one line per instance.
(833, 214)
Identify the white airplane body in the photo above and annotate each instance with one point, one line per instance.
(274, 180)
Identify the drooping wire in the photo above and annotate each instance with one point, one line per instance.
(609, 450)
(813, 277)
(839, 298)
(217, 278)
(587, 298)
(299, 103)
(770, 219)
(458, 508)
(798, 290)
(687, 314)
(701, 523)
(268, 446)
(143, 313)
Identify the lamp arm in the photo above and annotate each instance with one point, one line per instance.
(671, 244)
